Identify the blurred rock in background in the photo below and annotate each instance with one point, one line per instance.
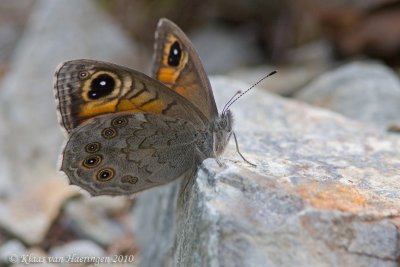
(267, 23)
(13, 16)
(37, 207)
(365, 91)
(371, 30)
(354, 28)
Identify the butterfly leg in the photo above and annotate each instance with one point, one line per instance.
(238, 151)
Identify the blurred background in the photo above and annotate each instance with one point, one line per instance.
(232, 36)
(270, 31)
(325, 51)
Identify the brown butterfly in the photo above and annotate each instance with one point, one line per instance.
(128, 132)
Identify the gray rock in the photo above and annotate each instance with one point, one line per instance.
(30, 213)
(155, 229)
(32, 192)
(365, 91)
(317, 53)
(13, 16)
(325, 192)
(222, 49)
(11, 248)
(377, 240)
(36, 256)
(77, 249)
(295, 77)
(30, 137)
(93, 223)
(106, 204)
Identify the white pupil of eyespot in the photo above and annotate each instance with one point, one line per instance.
(102, 83)
(175, 51)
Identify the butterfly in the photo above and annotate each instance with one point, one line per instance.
(128, 132)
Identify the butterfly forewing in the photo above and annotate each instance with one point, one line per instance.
(177, 65)
(86, 88)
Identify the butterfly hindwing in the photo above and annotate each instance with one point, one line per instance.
(123, 153)
(86, 88)
(177, 65)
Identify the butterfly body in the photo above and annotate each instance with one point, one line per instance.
(128, 132)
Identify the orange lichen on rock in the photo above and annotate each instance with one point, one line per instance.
(332, 196)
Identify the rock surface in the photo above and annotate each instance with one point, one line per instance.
(325, 192)
(243, 48)
(30, 213)
(295, 77)
(306, 64)
(80, 248)
(365, 91)
(93, 223)
(32, 192)
(13, 16)
(12, 247)
(30, 137)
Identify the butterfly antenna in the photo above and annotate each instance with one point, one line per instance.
(241, 94)
(227, 103)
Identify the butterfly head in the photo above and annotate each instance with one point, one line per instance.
(222, 130)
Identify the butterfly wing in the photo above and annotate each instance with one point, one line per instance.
(124, 153)
(86, 88)
(177, 64)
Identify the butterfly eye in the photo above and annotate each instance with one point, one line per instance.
(92, 161)
(119, 122)
(105, 175)
(222, 124)
(109, 133)
(92, 147)
(175, 53)
(101, 86)
(129, 179)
